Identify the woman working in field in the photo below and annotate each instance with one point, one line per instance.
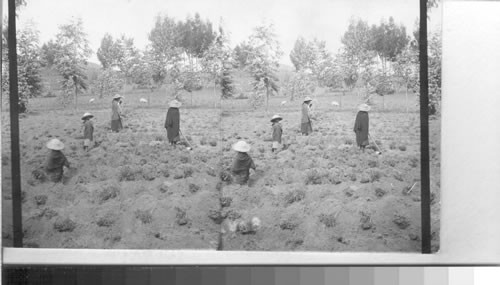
(242, 163)
(306, 126)
(172, 122)
(116, 113)
(56, 160)
(361, 126)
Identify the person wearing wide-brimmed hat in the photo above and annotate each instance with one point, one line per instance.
(361, 126)
(277, 132)
(56, 160)
(172, 122)
(88, 131)
(306, 125)
(116, 113)
(242, 163)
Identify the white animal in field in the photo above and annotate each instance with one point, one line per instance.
(143, 100)
(91, 100)
(283, 103)
(335, 103)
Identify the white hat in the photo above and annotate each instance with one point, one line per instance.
(276, 117)
(307, 99)
(55, 144)
(87, 114)
(364, 107)
(117, 96)
(174, 104)
(241, 146)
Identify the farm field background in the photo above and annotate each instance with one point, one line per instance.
(135, 191)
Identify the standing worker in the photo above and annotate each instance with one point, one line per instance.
(277, 132)
(172, 122)
(306, 126)
(88, 131)
(361, 126)
(116, 114)
(56, 160)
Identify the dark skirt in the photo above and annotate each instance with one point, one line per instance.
(116, 125)
(306, 128)
(55, 175)
(241, 177)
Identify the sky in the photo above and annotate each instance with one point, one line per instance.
(322, 19)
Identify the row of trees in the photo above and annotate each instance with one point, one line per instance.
(189, 54)
(374, 58)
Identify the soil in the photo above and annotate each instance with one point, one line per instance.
(133, 190)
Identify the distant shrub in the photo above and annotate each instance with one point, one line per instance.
(108, 192)
(328, 220)
(64, 225)
(294, 196)
(144, 216)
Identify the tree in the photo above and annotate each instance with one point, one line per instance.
(388, 40)
(108, 82)
(240, 54)
(73, 52)
(406, 68)
(263, 59)
(300, 84)
(48, 53)
(218, 62)
(110, 52)
(28, 65)
(129, 57)
(195, 35)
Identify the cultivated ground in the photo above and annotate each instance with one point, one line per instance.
(134, 191)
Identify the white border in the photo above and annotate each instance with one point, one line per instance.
(470, 231)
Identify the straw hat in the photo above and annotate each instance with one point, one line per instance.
(307, 99)
(364, 107)
(117, 96)
(86, 115)
(241, 146)
(55, 144)
(174, 104)
(276, 117)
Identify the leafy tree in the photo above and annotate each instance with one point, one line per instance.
(406, 68)
(218, 62)
(241, 55)
(129, 57)
(195, 35)
(73, 52)
(49, 53)
(263, 59)
(110, 52)
(388, 40)
(108, 82)
(28, 64)
(301, 84)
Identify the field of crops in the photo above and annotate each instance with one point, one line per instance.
(135, 191)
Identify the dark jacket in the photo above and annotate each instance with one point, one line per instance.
(241, 167)
(172, 124)
(277, 132)
(361, 128)
(88, 131)
(56, 161)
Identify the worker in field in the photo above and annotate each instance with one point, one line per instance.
(277, 132)
(306, 126)
(361, 126)
(56, 160)
(172, 122)
(88, 131)
(242, 163)
(116, 113)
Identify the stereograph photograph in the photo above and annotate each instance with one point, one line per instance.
(222, 125)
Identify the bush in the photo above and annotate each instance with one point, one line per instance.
(106, 221)
(294, 196)
(328, 220)
(193, 188)
(108, 192)
(64, 225)
(144, 216)
(40, 199)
